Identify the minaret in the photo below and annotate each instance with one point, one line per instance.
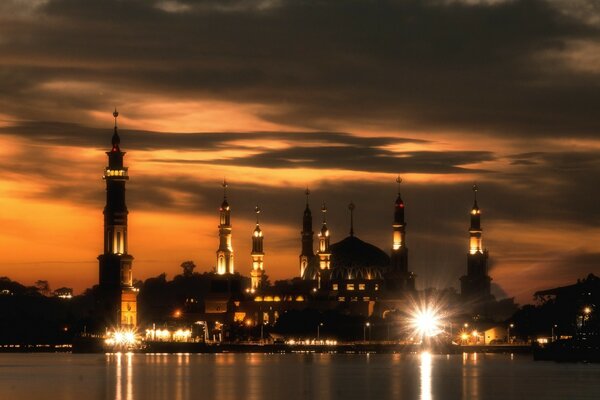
(225, 251)
(399, 255)
(476, 284)
(475, 242)
(307, 253)
(116, 281)
(257, 254)
(324, 253)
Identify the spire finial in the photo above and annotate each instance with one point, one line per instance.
(224, 184)
(324, 211)
(351, 207)
(475, 189)
(307, 193)
(116, 115)
(116, 140)
(398, 181)
(257, 211)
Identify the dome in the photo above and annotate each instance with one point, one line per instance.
(353, 258)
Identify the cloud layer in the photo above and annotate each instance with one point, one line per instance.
(341, 96)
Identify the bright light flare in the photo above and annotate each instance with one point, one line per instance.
(426, 322)
(122, 337)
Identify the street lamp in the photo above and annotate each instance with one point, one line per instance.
(553, 326)
(586, 315)
(508, 333)
(475, 334)
(319, 330)
(367, 325)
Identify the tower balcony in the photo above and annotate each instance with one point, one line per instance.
(117, 173)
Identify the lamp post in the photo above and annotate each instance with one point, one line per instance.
(586, 315)
(553, 326)
(367, 325)
(319, 331)
(508, 333)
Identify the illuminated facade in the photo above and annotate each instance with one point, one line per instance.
(324, 253)
(476, 283)
(119, 297)
(225, 251)
(258, 271)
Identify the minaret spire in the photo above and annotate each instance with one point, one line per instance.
(116, 140)
(351, 207)
(307, 253)
(476, 283)
(257, 254)
(324, 253)
(475, 219)
(225, 250)
(399, 279)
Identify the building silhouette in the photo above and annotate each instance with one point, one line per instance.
(118, 297)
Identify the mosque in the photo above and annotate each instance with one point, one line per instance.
(350, 276)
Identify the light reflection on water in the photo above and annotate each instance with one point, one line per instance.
(293, 376)
(425, 376)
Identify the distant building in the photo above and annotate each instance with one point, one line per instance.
(64, 293)
(118, 304)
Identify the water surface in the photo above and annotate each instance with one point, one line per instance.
(292, 376)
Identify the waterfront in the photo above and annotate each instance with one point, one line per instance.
(292, 376)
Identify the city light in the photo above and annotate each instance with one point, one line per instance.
(122, 338)
(587, 310)
(426, 322)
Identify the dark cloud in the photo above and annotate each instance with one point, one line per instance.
(422, 65)
(330, 150)
(66, 134)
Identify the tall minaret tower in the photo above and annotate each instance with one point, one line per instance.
(257, 254)
(399, 255)
(399, 279)
(307, 253)
(225, 251)
(324, 253)
(475, 231)
(476, 284)
(116, 280)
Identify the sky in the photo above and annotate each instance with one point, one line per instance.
(280, 95)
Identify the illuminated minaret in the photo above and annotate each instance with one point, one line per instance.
(475, 243)
(476, 284)
(257, 254)
(324, 253)
(225, 251)
(307, 253)
(399, 279)
(116, 280)
(399, 255)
